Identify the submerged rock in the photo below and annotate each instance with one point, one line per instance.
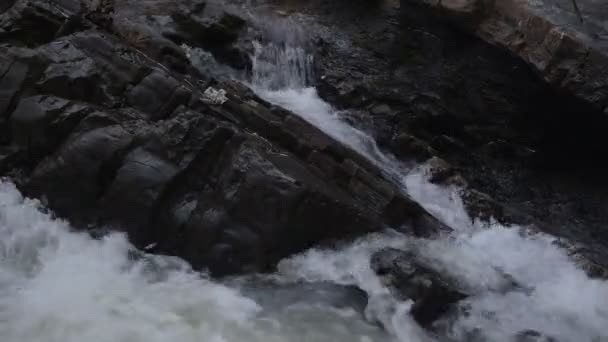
(433, 294)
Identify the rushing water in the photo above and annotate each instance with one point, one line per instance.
(57, 285)
(554, 298)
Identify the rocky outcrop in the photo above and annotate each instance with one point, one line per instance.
(568, 51)
(110, 132)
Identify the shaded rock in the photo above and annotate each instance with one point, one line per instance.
(12, 77)
(218, 33)
(257, 206)
(409, 147)
(445, 143)
(31, 120)
(158, 94)
(6, 5)
(548, 35)
(381, 109)
(69, 178)
(136, 186)
(71, 73)
(506, 150)
(482, 206)
(441, 172)
(30, 23)
(232, 185)
(118, 67)
(433, 295)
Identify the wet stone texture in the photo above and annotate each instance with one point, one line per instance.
(109, 124)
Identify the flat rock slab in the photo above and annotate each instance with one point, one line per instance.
(570, 54)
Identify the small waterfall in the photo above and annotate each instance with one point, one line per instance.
(280, 66)
(561, 302)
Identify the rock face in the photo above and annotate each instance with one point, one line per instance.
(113, 130)
(569, 54)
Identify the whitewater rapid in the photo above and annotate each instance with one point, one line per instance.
(58, 285)
(554, 298)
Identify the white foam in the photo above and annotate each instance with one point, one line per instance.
(61, 286)
(552, 296)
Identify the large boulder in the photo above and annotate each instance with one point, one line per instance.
(568, 51)
(215, 175)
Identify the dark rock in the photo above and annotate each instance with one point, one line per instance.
(6, 5)
(69, 179)
(260, 206)
(158, 94)
(211, 31)
(409, 147)
(71, 73)
(433, 295)
(232, 185)
(136, 186)
(31, 120)
(442, 172)
(12, 77)
(118, 68)
(505, 150)
(568, 53)
(381, 109)
(482, 206)
(30, 23)
(218, 33)
(447, 144)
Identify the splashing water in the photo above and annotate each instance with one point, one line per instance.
(558, 301)
(61, 286)
(281, 67)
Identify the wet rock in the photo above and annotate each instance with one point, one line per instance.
(232, 185)
(569, 53)
(31, 120)
(381, 109)
(12, 77)
(117, 67)
(71, 73)
(69, 178)
(447, 144)
(217, 33)
(433, 295)
(480, 205)
(158, 94)
(440, 170)
(506, 150)
(258, 207)
(410, 147)
(136, 186)
(30, 23)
